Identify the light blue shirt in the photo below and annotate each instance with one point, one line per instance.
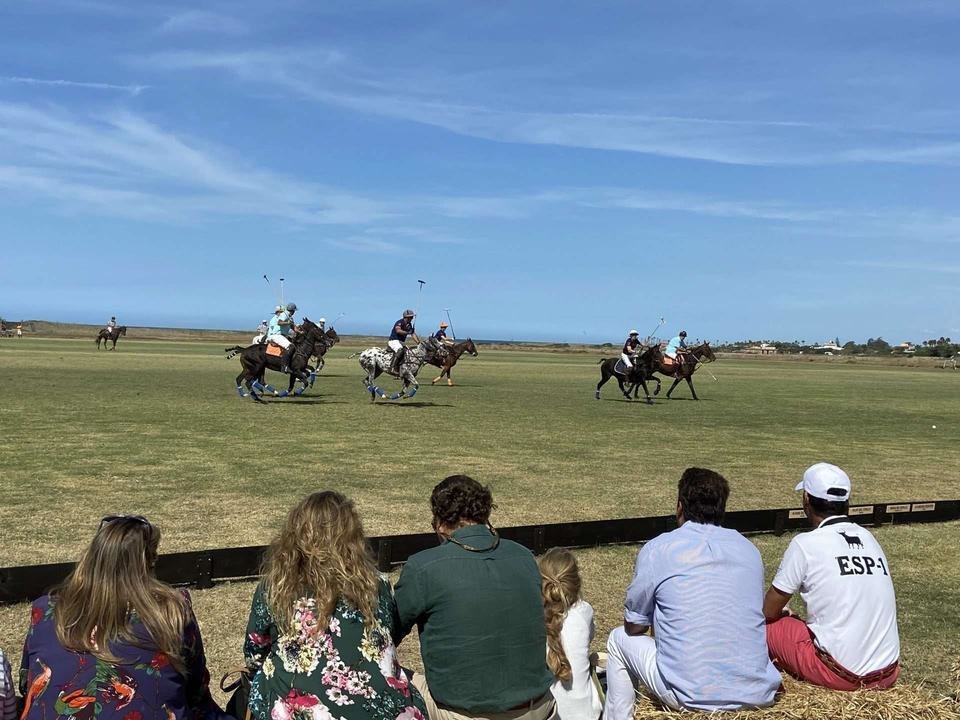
(701, 588)
(674, 345)
(279, 324)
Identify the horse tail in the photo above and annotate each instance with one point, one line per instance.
(233, 351)
(601, 361)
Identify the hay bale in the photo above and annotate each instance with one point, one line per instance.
(807, 702)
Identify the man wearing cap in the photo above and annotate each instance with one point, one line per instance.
(849, 640)
(398, 336)
(441, 334)
(630, 348)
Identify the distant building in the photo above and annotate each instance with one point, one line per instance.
(761, 349)
(907, 348)
(830, 346)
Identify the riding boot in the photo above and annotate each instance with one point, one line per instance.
(397, 360)
(285, 360)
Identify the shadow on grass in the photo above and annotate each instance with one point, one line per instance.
(414, 404)
(443, 384)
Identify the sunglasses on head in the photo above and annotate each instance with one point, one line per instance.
(111, 518)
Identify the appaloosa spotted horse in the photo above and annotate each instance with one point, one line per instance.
(376, 361)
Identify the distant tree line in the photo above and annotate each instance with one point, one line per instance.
(933, 347)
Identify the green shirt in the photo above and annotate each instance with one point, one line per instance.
(480, 618)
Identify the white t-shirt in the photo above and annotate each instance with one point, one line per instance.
(577, 699)
(844, 578)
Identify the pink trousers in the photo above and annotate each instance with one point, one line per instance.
(792, 650)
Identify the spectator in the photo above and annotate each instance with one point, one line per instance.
(112, 641)
(850, 639)
(8, 699)
(700, 586)
(477, 604)
(319, 637)
(570, 630)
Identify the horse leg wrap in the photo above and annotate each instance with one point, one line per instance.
(396, 396)
(271, 389)
(257, 385)
(240, 391)
(300, 390)
(283, 393)
(413, 391)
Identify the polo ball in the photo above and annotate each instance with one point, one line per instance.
(934, 427)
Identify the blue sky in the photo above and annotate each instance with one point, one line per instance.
(742, 169)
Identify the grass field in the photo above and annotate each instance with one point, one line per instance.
(156, 428)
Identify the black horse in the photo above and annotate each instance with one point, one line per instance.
(254, 360)
(644, 364)
(107, 336)
(331, 339)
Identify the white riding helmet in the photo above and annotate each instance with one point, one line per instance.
(278, 309)
(634, 332)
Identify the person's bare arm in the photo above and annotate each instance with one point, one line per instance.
(775, 603)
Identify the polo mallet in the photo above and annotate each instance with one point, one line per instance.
(336, 319)
(281, 294)
(450, 323)
(659, 325)
(420, 295)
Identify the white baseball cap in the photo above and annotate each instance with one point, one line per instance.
(825, 481)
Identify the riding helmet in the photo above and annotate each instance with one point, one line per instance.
(683, 333)
(408, 313)
(634, 332)
(278, 309)
(444, 324)
(291, 307)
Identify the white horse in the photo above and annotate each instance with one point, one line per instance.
(377, 361)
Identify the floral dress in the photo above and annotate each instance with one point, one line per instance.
(144, 685)
(340, 672)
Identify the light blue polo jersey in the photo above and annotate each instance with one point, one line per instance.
(701, 588)
(279, 324)
(674, 345)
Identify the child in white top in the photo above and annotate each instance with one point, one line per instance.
(569, 634)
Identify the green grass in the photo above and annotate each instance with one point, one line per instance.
(156, 428)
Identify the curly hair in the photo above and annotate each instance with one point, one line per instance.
(703, 494)
(560, 576)
(322, 553)
(460, 497)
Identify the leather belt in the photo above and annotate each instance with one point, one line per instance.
(851, 677)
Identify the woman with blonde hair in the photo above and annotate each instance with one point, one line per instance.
(570, 630)
(319, 637)
(114, 642)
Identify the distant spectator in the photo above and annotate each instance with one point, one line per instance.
(319, 636)
(112, 641)
(850, 639)
(477, 604)
(700, 587)
(8, 699)
(570, 631)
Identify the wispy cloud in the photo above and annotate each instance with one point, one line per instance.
(329, 77)
(905, 266)
(42, 82)
(203, 21)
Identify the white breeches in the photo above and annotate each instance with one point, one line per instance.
(394, 345)
(257, 339)
(279, 340)
(626, 360)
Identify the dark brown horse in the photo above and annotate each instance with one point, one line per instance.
(108, 336)
(448, 356)
(644, 364)
(684, 366)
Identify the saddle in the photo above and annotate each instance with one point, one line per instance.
(274, 350)
(620, 368)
